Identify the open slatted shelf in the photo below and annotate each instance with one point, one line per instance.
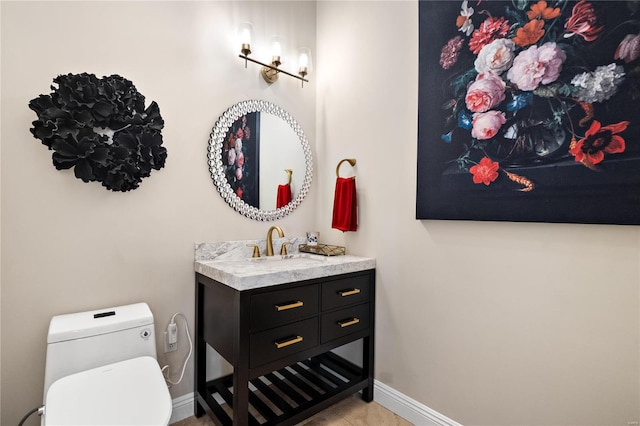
(291, 393)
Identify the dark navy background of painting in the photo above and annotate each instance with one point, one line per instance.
(566, 191)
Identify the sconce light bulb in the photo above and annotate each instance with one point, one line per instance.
(276, 51)
(276, 48)
(245, 36)
(303, 61)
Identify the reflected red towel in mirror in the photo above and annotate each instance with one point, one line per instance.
(345, 205)
(284, 195)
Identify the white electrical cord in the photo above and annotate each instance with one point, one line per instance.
(184, 366)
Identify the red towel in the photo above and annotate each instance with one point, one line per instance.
(284, 195)
(345, 205)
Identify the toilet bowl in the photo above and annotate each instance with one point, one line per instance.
(101, 369)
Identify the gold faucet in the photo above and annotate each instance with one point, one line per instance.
(270, 238)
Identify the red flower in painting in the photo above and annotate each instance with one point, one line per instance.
(583, 22)
(486, 171)
(598, 140)
(490, 30)
(239, 192)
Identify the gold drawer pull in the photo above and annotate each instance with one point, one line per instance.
(297, 304)
(344, 293)
(286, 343)
(348, 322)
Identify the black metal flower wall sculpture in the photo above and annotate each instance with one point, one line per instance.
(101, 129)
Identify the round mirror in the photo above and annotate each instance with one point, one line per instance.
(260, 160)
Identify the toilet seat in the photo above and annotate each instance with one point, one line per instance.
(131, 392)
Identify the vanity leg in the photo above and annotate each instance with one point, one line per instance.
(198, 411)
(200, 359)
(241, 361)
(367, 355)
(368, 345)
(241, 397)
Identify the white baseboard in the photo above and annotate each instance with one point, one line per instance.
(407, 408)
(182, 408)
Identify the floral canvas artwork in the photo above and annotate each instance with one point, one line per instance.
(529, 111)
(241, 160)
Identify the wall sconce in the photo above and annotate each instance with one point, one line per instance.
(304, 62)
(245, 34)
(271, 71)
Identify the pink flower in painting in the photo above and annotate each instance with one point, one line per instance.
(537, 65)
(231, 156)
(485, 93)
(487, 124)
(239, 173)
(450, 52)
(629, 48)
(240, 160)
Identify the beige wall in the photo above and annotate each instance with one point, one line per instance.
(487, 323)
(0, 229)
(70, 246)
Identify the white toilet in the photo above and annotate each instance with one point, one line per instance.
(101, 369)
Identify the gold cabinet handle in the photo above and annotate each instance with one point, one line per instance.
(292, 305)
(345, 293)
(348, 322)
(290, 342)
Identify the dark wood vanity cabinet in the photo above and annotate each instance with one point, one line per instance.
(279, 340)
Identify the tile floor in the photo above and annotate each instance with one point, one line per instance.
(352, 411)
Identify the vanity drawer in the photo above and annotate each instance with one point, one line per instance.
(346, 321)
(345, 292)
(283, 341)
(280, 307)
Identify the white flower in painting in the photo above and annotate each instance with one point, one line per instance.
(599, 85)
(463, 22)
(496, 56)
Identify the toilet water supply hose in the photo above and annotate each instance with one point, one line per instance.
(184, 366)
(40, 410)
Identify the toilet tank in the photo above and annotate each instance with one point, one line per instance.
(85, 340)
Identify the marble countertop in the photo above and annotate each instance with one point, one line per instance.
(230, 263)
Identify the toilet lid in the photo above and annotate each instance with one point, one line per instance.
(131, 392)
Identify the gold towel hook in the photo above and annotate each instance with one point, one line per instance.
(351, 161)
(290, 173)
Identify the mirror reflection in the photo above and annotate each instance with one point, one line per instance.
(260, 160)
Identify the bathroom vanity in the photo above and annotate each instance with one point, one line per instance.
(276, 320)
